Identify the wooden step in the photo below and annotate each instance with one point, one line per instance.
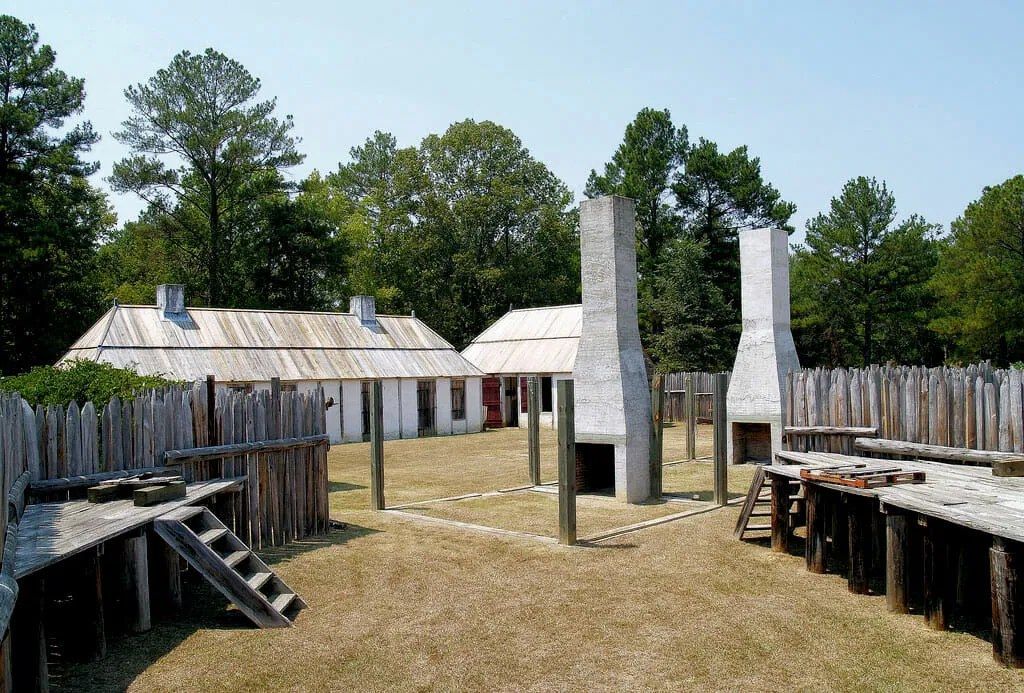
(758, 528)
(236, 557)
(257, 580)
(281, 601)
(761, 513)
(222, 572)
(213, 534)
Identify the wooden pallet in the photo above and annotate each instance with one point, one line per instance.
(863, 478)
(228, 564)
(758, 504)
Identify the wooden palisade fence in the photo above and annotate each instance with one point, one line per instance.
(675, 396)
(977, 407)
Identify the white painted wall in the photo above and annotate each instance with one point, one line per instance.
(351, 411)
(475, 413)
(332, 388)
(407, 392)
(443, 406)
(394, 406)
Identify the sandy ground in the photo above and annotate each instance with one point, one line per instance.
(397, 604)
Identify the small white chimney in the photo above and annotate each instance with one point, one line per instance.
(365, 308)
(170, 299)
(766, 352)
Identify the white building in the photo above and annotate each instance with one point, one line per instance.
(523, 343)
(429, 388)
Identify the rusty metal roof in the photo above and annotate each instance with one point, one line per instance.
(256, 345)
(529, 340)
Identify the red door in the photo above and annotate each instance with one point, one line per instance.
(492, 400)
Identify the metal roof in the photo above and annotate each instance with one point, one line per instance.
(256, 345)
(529, 340)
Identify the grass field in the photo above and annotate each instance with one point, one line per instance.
(397, 604)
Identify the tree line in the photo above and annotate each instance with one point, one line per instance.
(457, 228)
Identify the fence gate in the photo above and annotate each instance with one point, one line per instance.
(426, 391)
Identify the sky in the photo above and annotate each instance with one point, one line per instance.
(926, 96)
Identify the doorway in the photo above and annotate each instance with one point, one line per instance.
(511, 402)
(426, 394)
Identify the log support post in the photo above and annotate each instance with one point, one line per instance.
(94, 636)
(938, 574)
(897, 561)
(566, 463)
(815, 544)
(28, 637)
(1006, 563)
(720, 432)
(859, 523)
(781, 503)
(533, 427)
(838, 552)
(376, 446)
(690, 414)
(136, 554)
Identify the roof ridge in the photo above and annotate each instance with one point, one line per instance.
(563, 305)
(270, 310)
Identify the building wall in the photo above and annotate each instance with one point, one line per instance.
(443, 406)
(475, 413)
(332, 389)
(351, 411)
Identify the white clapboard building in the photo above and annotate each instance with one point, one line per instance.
(525, 342)
(429, 388)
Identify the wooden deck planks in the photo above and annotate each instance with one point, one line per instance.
(51, 532)
(966, 496)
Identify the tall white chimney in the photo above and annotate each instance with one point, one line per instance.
(766, 352)
(613, 402)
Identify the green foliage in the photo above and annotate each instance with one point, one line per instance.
(688, 192)
(50, 216)
(459, 228)
(980, 277)
(860, 284)
(205, 152)
(79, 381)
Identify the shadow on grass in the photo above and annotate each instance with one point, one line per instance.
(204, 609)
(338, 486)
(702, 496)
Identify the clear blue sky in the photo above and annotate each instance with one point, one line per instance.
(926, 96)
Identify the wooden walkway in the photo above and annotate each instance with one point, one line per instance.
(51, 532)
(935, 546)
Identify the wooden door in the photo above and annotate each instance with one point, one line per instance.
(492, 401)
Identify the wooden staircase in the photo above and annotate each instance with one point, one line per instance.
(759, 504)
(228, 564)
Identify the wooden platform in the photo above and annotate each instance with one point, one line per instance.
(967, 496)
(51, 532)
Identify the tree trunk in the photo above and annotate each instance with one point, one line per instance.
(213, 263)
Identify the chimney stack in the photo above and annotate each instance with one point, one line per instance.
(365, 308)
(170, 299)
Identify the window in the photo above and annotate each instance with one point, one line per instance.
(458, 400)
(545, 393)
(287, 387)
(366, 409)
(245, 389)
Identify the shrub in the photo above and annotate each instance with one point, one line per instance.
(81, 381)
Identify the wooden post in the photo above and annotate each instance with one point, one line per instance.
(566, 463)
(376, 446)
(814, 546)
(164, 577)
(211, 408)
(657, 434)
(897, 561)
(533, 427)
(94, 637)
(28, 637)
(136, 554)
(721, 386)
(859, 513)
(838, 533)
(690, 414)
(938, 577)
(1005, 561)
(781, 504)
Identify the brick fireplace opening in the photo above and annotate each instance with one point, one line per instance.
(751, 442)
(595, 467)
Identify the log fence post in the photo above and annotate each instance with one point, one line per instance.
(533, 427)
(566, 463)
(657, 434)
(690, 414)
(721, 485)
(376, 446)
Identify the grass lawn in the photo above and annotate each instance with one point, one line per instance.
(398, 604)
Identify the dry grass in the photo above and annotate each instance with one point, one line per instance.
(396, 604)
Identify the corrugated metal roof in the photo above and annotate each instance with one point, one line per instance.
(256, 345)
(529, 340)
